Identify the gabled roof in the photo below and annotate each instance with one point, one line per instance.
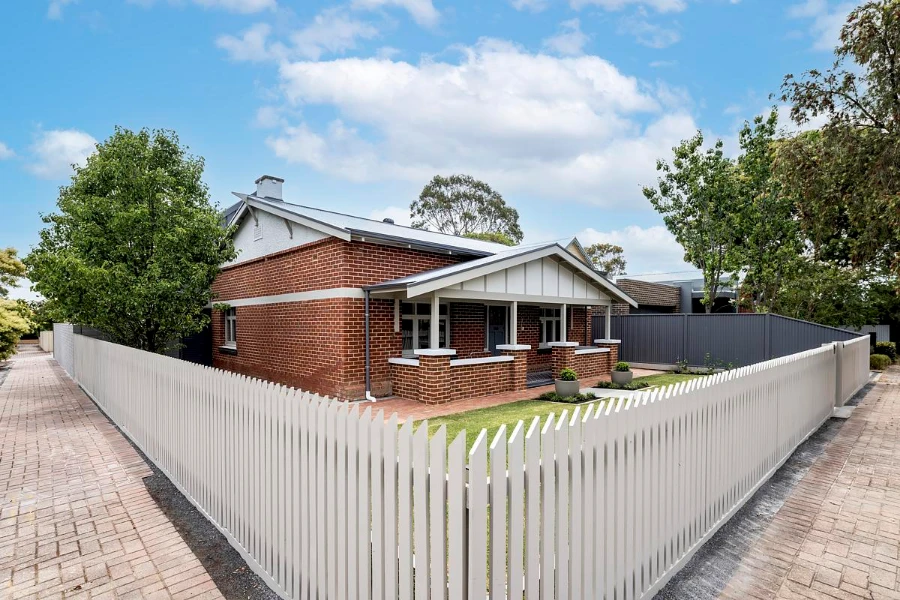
(348, 227)
(429, 281)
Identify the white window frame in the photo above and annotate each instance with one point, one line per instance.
(557, 317)
(231, 327)
(415, 318)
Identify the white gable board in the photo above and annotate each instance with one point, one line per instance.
(270, 235)
(542, 277)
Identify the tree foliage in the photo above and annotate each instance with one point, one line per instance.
(135, 245)
(463, 205)
(698, 197)
(845, 176)
(13, 325)
(770, 242)
(497, 238)
(607, 258)
(11, 268)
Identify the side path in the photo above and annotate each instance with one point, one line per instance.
(76, 518)
(827, 526)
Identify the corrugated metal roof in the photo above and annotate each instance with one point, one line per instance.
(388, 231)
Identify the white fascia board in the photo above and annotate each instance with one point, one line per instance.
(311, 223)
(503, 298)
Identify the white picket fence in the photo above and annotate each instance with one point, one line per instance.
(64, 347)
(854, 366)
(45, 341)
(327, 499)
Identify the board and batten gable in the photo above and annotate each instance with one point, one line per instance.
(546, 278)
(269, 234)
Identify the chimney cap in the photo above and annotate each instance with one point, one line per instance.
(272, 177)
(387, 220)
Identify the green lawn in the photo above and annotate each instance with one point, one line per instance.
(473, 421)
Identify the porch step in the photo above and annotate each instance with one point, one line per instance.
(538, 378)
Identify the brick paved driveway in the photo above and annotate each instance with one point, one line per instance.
(76, 521)
(835, 534)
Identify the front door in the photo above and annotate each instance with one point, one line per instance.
(496, 328)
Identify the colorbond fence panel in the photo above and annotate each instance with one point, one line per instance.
(740, 339)
(325, 501)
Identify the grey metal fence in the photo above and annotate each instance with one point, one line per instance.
(739, 339)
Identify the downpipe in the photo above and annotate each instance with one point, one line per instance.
(369, 396)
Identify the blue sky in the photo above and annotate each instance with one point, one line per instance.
(562, 106)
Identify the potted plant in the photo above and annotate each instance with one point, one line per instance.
(622, 373)
(567, 384)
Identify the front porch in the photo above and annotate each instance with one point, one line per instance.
(504, 326)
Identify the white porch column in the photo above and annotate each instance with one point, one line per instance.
(514, 323)
(434, 341)
(563, 325)
(608, 330)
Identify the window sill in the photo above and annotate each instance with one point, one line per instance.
(228, 350)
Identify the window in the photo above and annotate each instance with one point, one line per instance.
(231, 327)
(416, 327)
(549, 325)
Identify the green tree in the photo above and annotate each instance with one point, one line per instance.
(829, 294)
(698, 197)
(845, 177)
(607, 258)
(463, 205)
(135, 245)
(497, 238)
(770, 241)
(11, 268)
(13, 325)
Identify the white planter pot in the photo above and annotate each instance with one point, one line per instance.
(622, 377)
(567, 388)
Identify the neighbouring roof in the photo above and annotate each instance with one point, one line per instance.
(650, 293)
(437, 278)
(349, 226)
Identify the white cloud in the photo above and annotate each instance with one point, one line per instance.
(423, 12)
(594, 135)
(55, 9)
(570, 40)
(534, 6)
(56, 151)
(647, 250)
(235, 6)
(250, 46)
(399, 214)
(332, 31)
(658, 5)
(825, 21)
(6, 152)
(647, 33)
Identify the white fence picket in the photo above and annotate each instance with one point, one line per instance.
(325, 502)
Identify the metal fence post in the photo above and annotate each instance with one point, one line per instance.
(768, 336)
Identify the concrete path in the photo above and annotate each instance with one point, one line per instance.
(826, 526)
(76, 520)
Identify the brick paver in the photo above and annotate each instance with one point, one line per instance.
(837, 534)
(76, 521)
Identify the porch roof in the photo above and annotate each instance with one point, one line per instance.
(529, 267)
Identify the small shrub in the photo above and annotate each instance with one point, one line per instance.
(568, 374)
(681, 366)
(634, 385)
(879, 362)
(622, 367)
(576, 399)
(889, 349)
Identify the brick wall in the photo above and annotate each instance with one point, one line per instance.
(329, 263)
(467, 335)
(317, 345)
(585, 365)
(434, 381)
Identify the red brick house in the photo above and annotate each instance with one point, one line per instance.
(353, 308)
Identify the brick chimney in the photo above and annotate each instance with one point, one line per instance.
(269, 187)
